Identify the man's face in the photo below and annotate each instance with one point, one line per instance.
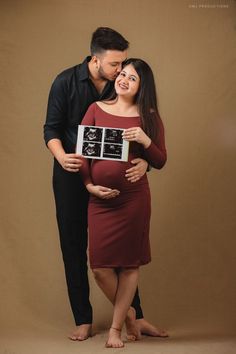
(109, 63)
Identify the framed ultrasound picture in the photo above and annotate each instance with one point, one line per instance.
(102, 143)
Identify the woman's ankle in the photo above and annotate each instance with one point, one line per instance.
(118, 329)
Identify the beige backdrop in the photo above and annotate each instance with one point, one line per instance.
(190, 283)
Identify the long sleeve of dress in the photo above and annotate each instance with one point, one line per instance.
(156, 154)
(89, 119)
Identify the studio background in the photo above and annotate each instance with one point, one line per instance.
(190, 285)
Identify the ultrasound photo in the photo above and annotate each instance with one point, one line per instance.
(113, 151)
(113, 136)
(92, 134)
(105, 143)
(91, 149)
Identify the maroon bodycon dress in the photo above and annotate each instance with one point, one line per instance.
(119, 227)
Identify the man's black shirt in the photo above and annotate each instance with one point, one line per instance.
(71, 94)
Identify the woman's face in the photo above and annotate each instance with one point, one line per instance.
(127, 82)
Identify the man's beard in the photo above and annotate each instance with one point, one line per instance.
(103, 75)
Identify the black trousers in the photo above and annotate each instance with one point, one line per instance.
(71, 198)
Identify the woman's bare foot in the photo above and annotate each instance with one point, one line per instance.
(133, 332)
(81, 332)
(114, 339)
(148, 329)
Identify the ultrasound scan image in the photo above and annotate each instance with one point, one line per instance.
(112, 151)
(113, 136)
(92, 134)
(91, 149)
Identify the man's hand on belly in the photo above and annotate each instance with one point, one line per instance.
(133, 174)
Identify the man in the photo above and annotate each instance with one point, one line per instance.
(71, 94)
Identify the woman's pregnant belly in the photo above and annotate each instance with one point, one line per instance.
(111, 174)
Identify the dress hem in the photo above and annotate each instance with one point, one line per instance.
(119, 266)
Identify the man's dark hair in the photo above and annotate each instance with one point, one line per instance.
(105, 38)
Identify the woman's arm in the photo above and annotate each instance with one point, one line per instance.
(154, 151)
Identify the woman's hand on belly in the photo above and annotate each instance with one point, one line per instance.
(102, 192)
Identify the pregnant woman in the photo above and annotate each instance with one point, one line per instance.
(119, 211)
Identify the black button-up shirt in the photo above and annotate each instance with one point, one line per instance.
(71, 94)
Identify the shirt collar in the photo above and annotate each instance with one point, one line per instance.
(83, 69)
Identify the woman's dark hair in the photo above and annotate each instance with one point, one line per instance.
(105, 38)
(146, 98)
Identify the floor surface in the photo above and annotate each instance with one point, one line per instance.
(42, 340)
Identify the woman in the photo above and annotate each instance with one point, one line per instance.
(119, 211)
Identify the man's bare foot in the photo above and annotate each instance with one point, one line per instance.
(81, 332)
(133, 331)
(148, 329)
(114, 339)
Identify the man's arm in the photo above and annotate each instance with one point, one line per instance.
(57, 110)
(70, 162)
(55, 124)
(133, 174)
